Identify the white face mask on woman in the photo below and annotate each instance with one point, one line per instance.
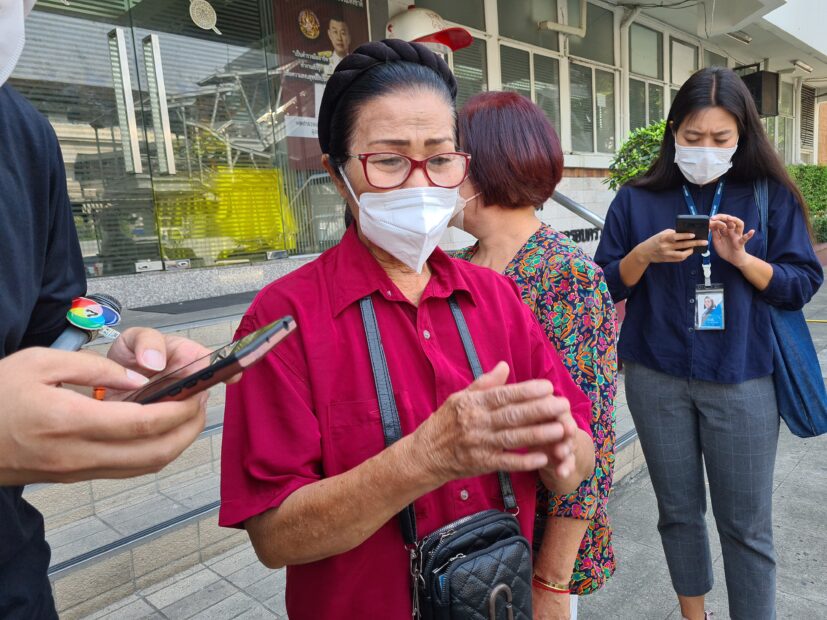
(702, 164)
(407, 223)
(12, 34)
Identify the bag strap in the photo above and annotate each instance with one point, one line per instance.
(761, 192)
(391, 426)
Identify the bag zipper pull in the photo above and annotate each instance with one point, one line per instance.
(415, 564)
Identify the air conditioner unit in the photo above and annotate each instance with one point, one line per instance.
(764, 87)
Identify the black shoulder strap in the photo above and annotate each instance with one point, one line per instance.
(391, 426)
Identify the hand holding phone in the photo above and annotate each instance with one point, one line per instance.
(696, 224)
(216, 367)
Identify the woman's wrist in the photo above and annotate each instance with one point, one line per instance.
(418, 454)
(742, 260)
(640, 254)
(556, 586)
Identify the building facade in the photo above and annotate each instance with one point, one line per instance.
(188, 128)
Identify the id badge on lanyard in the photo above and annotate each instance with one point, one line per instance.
(709, 296)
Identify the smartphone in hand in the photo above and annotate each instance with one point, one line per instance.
(215, 367)
(697, 224)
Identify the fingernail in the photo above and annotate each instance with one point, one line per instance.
(153, 359)
(136, 377)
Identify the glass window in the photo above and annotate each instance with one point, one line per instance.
(547, 87)
(785, 106)
(604, 99)
(466, 12)
(582, 112)
(769, 125)
(711, 59)
(471, 70)
(598, 44)
(790, 140)
(519, 18)
(684, 61)
(781, 135)
(673, 93)
(645, 103)
(646, 51)
(637, 104)
(655, 103)
(516, 70)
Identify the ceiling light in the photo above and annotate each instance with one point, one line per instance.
(800, 64)
(740, 36)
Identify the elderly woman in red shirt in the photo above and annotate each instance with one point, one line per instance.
(305, 465)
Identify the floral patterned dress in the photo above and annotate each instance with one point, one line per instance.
(568, 294)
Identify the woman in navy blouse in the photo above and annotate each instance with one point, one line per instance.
(701, 392)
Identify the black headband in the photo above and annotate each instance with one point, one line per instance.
(364, 58)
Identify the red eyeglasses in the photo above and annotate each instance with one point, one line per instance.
(390, 170)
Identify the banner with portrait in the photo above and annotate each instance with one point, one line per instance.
(312, 36)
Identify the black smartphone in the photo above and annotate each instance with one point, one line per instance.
(215, 367)
(697, 224)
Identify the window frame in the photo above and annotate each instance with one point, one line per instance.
(593, 68)
(647, 82)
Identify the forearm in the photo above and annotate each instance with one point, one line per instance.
(558, 551)
(633, 266)
(336, 514)
(756, 271)
(583, 467)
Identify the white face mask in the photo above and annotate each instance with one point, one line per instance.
(702, 164)
(458, 219)
(407, 223)
(12, 34)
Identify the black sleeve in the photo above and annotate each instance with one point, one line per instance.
(64, 277)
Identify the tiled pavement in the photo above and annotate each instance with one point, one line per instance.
(231, 585)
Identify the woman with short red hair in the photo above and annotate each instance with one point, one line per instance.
(516, 163)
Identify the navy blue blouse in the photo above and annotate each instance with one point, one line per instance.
(658, 330)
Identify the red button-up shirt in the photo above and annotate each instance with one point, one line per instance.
(309, 409)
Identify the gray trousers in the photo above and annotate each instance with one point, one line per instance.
(733, 430)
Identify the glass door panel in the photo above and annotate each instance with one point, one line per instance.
(213, 133)
(78, 69)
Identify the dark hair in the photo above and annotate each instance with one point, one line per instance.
(384, 79)
(516, 158)
(755, 158)
(373, 70)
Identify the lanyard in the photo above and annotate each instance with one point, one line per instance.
(716, 204)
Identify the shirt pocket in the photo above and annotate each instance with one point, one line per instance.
(354, 432)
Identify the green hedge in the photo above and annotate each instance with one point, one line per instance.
(812, 181)
(636, 155)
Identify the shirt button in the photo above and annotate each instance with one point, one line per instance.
(693, 272)
(691, 300)
(463, 495)
(691, 329)
(388, 292)
(426, 334)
